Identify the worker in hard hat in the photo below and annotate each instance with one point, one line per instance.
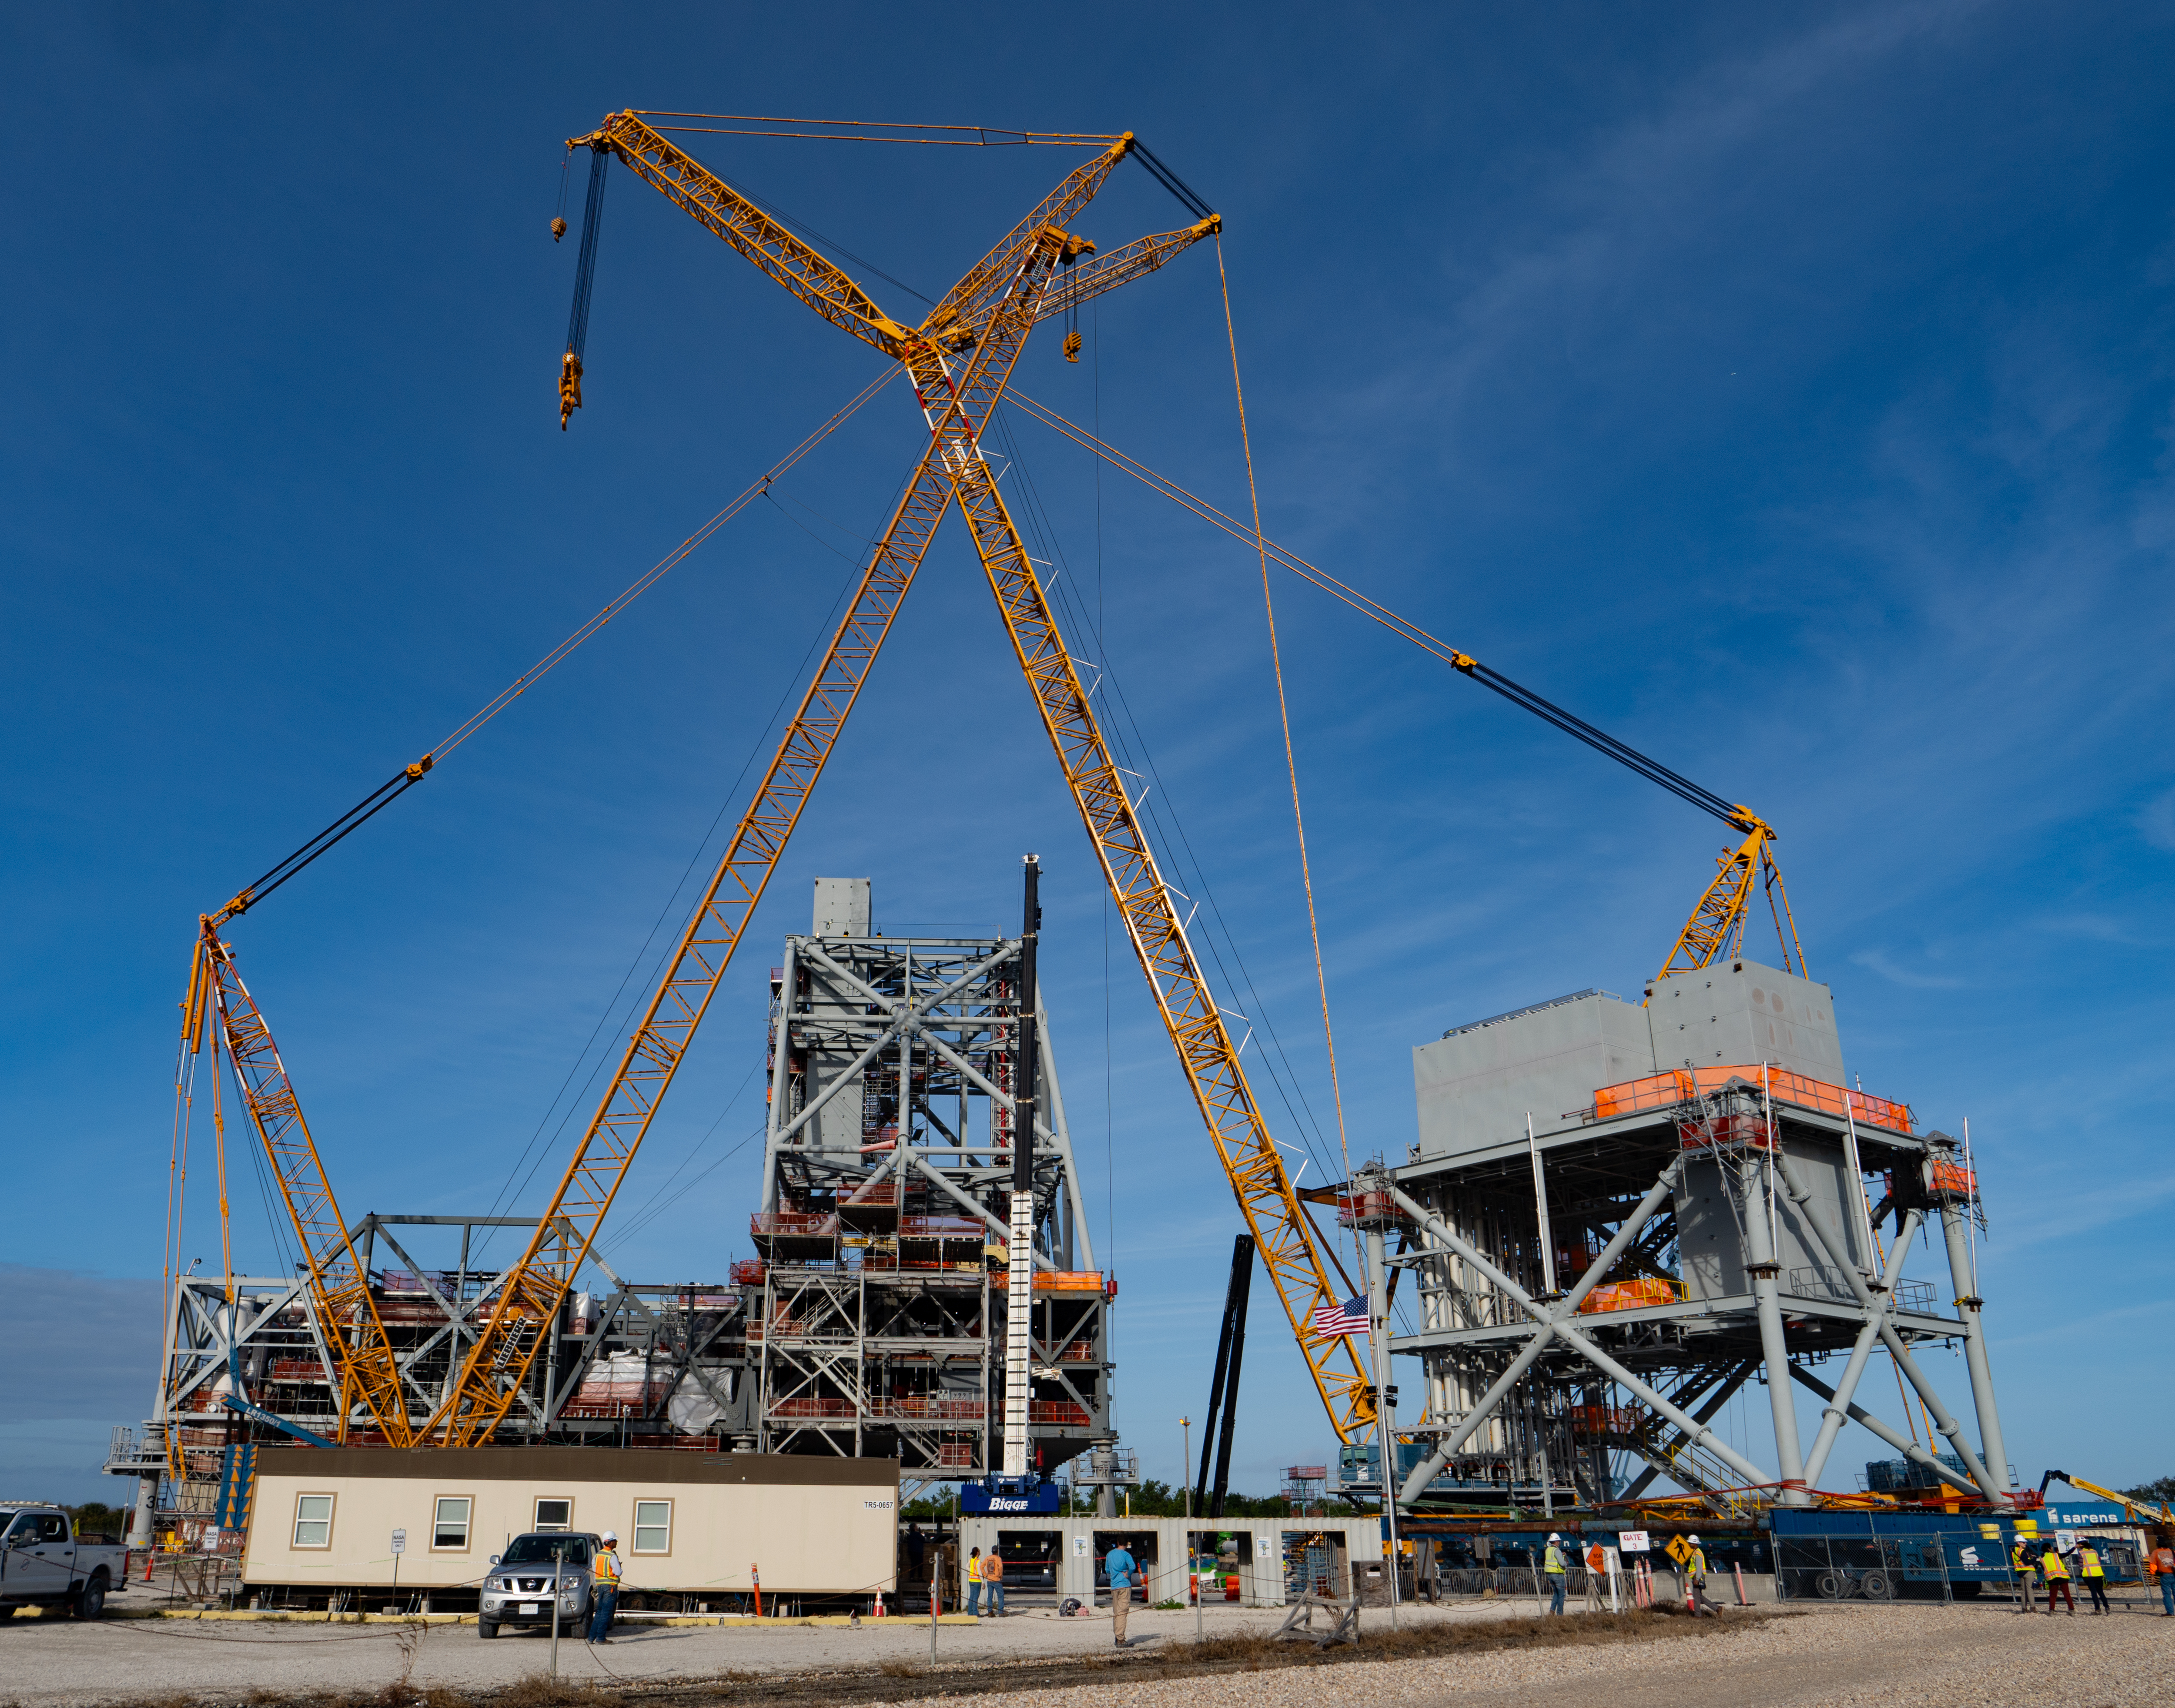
(2094, 1574)
(605, 1568)
(2023, 1561)
(2162, 1568)
(1552, 1562)
(1695, 1600)
(2057, 1574)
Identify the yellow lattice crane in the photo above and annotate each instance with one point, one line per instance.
(364, 1370)
(960, 358)
(1716, 931)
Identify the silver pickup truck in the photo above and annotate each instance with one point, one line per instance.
(538, 1571)
(43, 1565)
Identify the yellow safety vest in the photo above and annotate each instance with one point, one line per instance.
(1553, 1561)
(606, 1568)
(1695, 1562)
(2051, 1567)
(2089, 1558)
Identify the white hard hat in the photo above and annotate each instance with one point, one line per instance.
(1694, 1540)
(610, 1537)
(1553, 1537)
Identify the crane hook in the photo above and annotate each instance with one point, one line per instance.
(1072, 345)
(558, 227)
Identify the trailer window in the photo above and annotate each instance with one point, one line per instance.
(652, 1526)
(313, 1521)
(553, 1514)
(449, 1523)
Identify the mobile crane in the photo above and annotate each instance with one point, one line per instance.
(960, 358)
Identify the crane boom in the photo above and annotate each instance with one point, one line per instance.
(989, 313)
(1716, 924)
(701, 193)
(1250, 1159)
(498, 1362)
(339, 1286)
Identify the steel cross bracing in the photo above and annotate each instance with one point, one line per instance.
(988, 313)
(880, 1046)
(1502, 1354)
(339, 1282)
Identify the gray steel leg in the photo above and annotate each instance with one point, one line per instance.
(1832, 1423)
(1759, 1251)
(1894, 1437)
(1831, 1242)
(1981, 1373)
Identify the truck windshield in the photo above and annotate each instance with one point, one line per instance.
(536, 1550)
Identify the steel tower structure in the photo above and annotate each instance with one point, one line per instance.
(1618, 1215)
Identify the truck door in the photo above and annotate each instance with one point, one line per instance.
(36, 1557)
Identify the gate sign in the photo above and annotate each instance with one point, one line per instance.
(1080, 1546)
(1632, 1542)
(1264, 1549)
(400, 1541)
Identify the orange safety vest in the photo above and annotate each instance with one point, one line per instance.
(606, 1568)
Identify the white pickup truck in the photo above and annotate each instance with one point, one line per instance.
(43, 1565)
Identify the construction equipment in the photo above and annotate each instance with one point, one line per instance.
(2139, 1513)
(338, 1284)
(960, 358)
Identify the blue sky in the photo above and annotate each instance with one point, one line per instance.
(1787, 393)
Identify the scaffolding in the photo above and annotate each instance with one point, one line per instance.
(871, 1323)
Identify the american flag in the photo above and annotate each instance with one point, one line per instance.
(1347, 1318)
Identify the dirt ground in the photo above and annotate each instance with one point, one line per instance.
(1488, 1656)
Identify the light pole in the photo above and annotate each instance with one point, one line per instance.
(1186, 1474)
(1185, 1465)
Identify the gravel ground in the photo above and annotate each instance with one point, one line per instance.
(1857, 1656)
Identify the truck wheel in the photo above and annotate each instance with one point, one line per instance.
(91, 1600)
(486, 1629)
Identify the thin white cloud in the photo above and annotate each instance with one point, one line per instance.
(1879, 961)
(2155, 823)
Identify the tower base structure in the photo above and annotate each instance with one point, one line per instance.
(1618, 1216)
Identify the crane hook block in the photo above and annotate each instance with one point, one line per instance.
(570, 387)
(1073, 345)
(558, 227)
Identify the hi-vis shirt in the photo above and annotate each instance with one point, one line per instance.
(606, 1567)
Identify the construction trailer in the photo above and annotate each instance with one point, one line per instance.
(359, 1522)
(869, 1324)
(1255, 1562)
(1616, 1215)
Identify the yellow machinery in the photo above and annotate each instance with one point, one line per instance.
(354, 1339)
(959, 358)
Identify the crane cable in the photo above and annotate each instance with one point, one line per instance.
(1569, 723)
(410, 775)
(1283, 714)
